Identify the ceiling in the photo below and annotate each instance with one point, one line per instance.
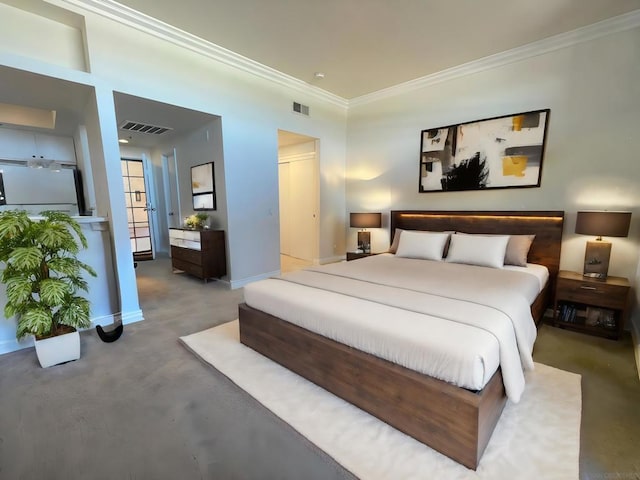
(363, 46)
(179, 120)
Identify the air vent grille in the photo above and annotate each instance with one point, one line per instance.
(144, 128)
(299, 108)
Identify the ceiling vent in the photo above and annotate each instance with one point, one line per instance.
(130, 126)
(299, 108)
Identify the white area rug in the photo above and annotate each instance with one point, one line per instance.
(539, 438)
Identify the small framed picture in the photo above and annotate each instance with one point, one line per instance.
(203, 187)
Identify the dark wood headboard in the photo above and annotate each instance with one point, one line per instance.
(545, 225)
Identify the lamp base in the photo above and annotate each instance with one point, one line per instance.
(364, 241)
(596, 259)
(595, 275)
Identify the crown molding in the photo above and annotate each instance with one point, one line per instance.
(132, 18)
(612, 25)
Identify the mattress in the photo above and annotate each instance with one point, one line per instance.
(458, 323)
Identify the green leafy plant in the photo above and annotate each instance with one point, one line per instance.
(42, 273)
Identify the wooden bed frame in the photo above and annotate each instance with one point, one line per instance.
(452, 420)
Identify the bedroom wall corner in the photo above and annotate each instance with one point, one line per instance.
(587, 162)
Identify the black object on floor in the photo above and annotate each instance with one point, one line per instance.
(109, 336)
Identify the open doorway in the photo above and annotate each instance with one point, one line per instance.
(299, 193)
(167, 140)
(140, 206)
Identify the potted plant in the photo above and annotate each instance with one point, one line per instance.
(197, 220)
(42, 275)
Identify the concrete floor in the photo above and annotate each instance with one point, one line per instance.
(145, 408)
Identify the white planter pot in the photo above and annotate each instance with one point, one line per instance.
(55, 350)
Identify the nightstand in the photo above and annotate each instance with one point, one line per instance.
(590, 305)
(355, 255)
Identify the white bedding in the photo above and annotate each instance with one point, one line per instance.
(450, 321)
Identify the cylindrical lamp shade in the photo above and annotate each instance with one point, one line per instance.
(365, 220)
(603, 224)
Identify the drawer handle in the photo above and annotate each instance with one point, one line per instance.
(585, 287)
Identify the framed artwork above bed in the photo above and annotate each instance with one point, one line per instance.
(499, 152)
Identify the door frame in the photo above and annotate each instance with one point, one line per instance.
(152, 202)
(313, 156)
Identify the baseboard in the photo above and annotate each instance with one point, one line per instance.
(12, 345)
(245, 281)
(132, 317)
(334, 259)
(635, 337)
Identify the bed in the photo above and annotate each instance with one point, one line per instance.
(451, 416)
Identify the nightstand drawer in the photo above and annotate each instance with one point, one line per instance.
(592, 293)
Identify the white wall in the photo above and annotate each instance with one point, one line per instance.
(252, 110)
(593, 91)
(22, 34)
(202, 146)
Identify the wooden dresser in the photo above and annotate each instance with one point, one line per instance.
(198, 252)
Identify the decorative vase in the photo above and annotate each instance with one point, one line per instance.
(59, 349)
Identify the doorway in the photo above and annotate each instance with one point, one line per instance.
(298, 180)
(168, 138)
(139, 206)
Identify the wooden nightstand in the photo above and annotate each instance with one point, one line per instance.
(589, 305)
(355, 256)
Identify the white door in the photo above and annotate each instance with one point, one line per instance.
(302, 209)
(171, 189)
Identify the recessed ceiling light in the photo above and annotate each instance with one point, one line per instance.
(123, 140)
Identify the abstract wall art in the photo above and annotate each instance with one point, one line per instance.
(499, 152)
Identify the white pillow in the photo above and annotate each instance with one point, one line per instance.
(423, 245)
(478, 250)
(517, 248)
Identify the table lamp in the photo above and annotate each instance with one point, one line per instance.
(364, 221)
(601, 224)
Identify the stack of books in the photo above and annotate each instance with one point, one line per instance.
(567, 312)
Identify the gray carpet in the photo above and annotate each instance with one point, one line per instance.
(146, 408)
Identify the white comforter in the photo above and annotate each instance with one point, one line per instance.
(451, 321)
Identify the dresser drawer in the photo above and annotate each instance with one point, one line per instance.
(183, 243)
(592, 293)
(185, 238)
(188, 267)
(186, 254)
